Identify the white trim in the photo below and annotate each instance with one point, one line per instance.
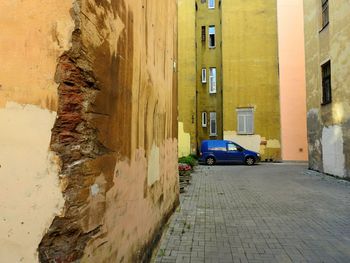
(204, 75)
(213, 132)
(204, 119)
(212, 80)
(212, 33)
(211, 2)
(245, 121)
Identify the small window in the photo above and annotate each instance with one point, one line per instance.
(212, 42)
(326, 83)
(211, 4)
(245, 121)
(204, 32)
(204, 119)
(213, 128)
(212, 80)
(325, 12)
(204, 75)
(232, 147)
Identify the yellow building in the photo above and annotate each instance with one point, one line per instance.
(237, 91)
(186, 77)
(327, 51)
(209, 70)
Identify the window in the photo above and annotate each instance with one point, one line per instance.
(212, 37)
(245, 121)
(213, 124)
(325, 13)
(231, 147)
(204, 119)
(211, 4)
(326, 83)
(212, 80)
(204, 75)
(204, 33)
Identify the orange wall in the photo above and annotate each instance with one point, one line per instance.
(292, 80)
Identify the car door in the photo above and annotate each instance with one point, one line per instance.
(233, 153)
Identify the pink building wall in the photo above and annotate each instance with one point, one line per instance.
(292, 80)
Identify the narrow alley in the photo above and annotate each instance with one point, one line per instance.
(265, 213)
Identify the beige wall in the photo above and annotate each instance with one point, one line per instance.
(108, 168)
(30, 194)
(328, 125)
(292, 80)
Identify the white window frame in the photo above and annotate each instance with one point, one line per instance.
(211, 32)
(204, 119)
(245, 115)
(211, 4)
(213, 121)
(204, 75)
(212, 80)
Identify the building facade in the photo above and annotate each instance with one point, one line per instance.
(88, 117)
(291, 50)
(327, 52)
(236, 86)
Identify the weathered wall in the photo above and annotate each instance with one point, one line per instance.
(250, 73)
(328, 125)
(208, 58)
(292, 80)
(187, 77)
(31, 40)
(114, 137)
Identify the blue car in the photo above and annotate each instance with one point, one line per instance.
(222, 151)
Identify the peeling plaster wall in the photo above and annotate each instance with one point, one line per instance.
(250, 73)
(328, 125)
(88, 111)
(116, 132)
(31, 40)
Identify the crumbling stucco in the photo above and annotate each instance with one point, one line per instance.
(328, 123)
(113, 182)
(115, 132)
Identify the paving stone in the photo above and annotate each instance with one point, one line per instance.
(265, 213)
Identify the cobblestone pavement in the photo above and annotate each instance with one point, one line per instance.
(264, 213)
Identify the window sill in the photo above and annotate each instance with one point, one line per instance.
(212, 47)
(324, 27)
(245, 133)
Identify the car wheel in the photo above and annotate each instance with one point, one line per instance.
(249, 160)
(210, 161)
